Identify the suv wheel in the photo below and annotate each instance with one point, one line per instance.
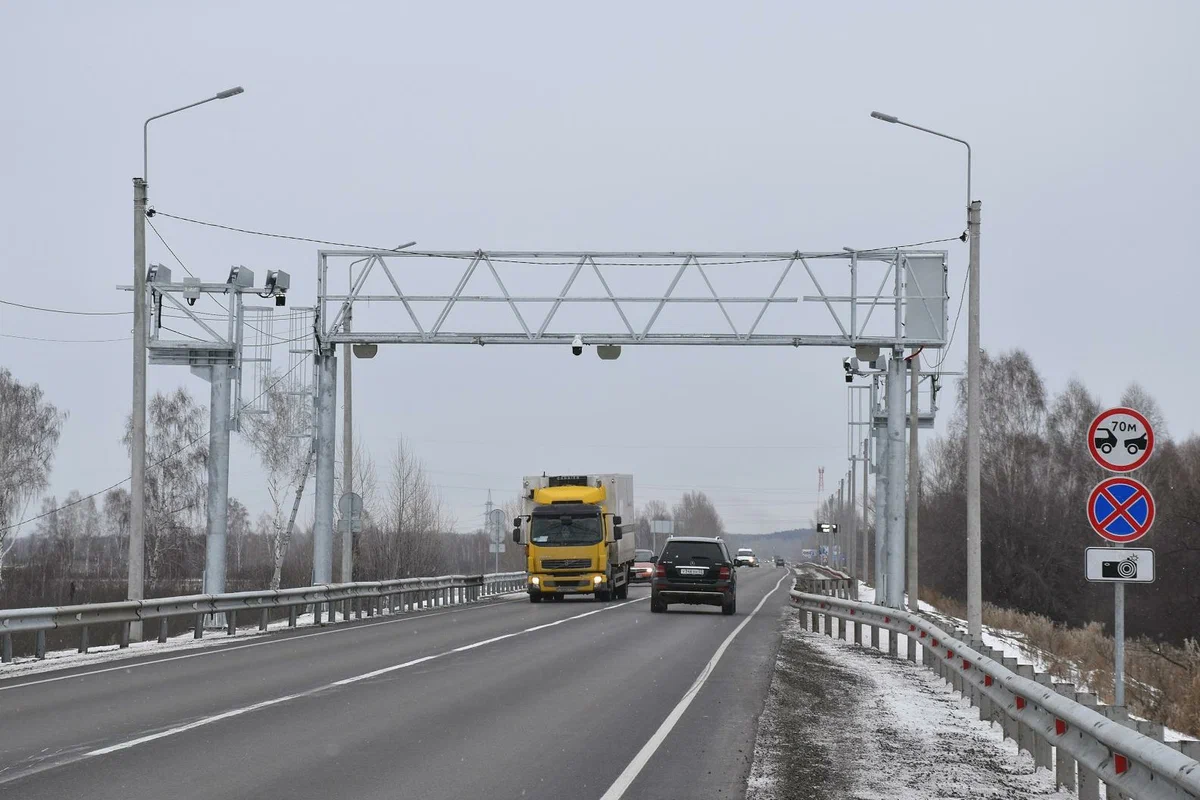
(657, 606)
(730, 608)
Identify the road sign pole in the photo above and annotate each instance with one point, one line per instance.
(1119, 642)
(896, 488)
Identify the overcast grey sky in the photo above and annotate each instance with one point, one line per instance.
(676, 126)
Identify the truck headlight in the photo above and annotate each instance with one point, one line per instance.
(535, 580)
(598, 579)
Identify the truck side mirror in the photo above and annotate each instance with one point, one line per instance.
(516, 522)
(618, 531)
(517, 535)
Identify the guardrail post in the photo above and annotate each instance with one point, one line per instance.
(6, 656)
(986, 707)
(1010, 722)
(828, 624)
(852, 632)
(162, 630)
(875, 637)
(893, 643)
(39, 647)
(1043, 751)
(317, 613)
(1089, 782)
(291, 616)
(83, 639)
(231, 623)
(124, 640)
(1117, 714)
(912, 646)
(1025, 736)
(263, 618)
(1064, 765)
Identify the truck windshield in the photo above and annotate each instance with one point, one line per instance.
(554, 531)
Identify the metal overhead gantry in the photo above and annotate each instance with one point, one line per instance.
(886, 299)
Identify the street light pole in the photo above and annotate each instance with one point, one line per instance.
(974, 395)
(137, 472)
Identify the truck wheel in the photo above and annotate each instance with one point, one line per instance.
(535, 598)
(622, 592)
(603, 595)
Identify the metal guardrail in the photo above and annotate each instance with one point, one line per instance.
(1059, 727)
(352, 599)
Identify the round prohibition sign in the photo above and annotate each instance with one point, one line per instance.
(1120, 439)
(1120, 510)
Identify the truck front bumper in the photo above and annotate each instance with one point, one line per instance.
(566, 584)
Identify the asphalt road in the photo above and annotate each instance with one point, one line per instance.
(503, 700)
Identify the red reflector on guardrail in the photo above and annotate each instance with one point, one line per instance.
(987, 680)
(1120, 763)
(1020, 703)
(949, 654)
(966, 664)
(922, 634)
(887, 619)
(935, 642)
(852, 612)
(912, 627)
(1060, 726)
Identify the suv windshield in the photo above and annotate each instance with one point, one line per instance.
(692, 553)
(643, 555)
(562, 531)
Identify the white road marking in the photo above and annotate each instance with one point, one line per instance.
(630, 773)
(214, 650)
(343, 682)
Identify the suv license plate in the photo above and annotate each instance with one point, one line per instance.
(692, 571)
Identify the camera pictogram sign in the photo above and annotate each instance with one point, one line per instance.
(1119, 565)
(1121, 510)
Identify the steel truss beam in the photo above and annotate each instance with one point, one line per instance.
(899, 288)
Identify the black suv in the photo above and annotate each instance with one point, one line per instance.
(696, 571)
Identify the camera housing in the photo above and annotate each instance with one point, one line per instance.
(577, 346)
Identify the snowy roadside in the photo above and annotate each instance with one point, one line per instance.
(184, 643)
(1013, 645)
(847, 722)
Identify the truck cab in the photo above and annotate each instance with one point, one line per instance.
(573, 537)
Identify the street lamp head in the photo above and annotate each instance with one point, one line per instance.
(230, 92)
(884, 117)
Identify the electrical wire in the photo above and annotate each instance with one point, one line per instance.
(65, 341)
(953, 330)
(672, 262)
(65, 311)
(162, 460)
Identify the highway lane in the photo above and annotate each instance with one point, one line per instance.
(509, 700)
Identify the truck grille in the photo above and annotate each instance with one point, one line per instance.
(566, 563)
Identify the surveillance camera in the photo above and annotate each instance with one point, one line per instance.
(577, 345)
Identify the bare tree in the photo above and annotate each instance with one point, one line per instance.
(287, 458)
(176, 460)
(29, 432)
(695, 515)
(405, 540)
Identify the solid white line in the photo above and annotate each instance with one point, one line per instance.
(627, 777)
(235, 712)
(217, 649)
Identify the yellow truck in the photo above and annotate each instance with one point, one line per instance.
(571, 526)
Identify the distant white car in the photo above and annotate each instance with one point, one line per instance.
(745, 558)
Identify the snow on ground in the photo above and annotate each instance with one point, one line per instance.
(180, 645)
(1011, 643)
(848, 722)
